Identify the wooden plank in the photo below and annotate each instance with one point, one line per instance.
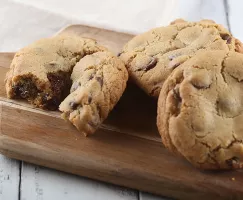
(42, 183)
(9, 178)
(131, 157)
(113, 157)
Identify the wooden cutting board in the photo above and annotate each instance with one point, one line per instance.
(126, 150)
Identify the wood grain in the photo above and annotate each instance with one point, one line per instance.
(121, 152)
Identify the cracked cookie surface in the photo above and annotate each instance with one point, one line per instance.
(151, 57)
(41, 71)
(200, 110)
(99, 81)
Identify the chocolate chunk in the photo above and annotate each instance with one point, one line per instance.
(171, 57)
(175, 65)
(100, 80)
(60, 84)
(91, 76)
(25, 89)
(119, 54)
(18, 90)
(57, 83)
(53, 63)
(199, 87)
(176, 94)
(151, 64)
(226, 37)
(52, 104)
(177, 97)
(49, 102)
(175, 55)
(229, 40)
(45, 97)
(233, 161)
(154, 90)
(89, 99)
(98, 110)
(73, 105)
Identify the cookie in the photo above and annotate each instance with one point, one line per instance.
(41, 72)
(98, 81)
(152, 56)
(200, 110)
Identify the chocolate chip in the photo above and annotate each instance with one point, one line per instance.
(25, 89)
(232, 161)
(119, 54)
(25, 94)
(177, 97)
(73, 105)
(176, 94)
(98, 109)
(199, 87)
(53, 63)
(229, 40)
(50, 103)
(45, 97)
(100, 80)
(154, 90)
(175, 65)
(175, 55)
(171, 57)
(151, 64)
(89, 99)
(57, 82)
(91, 76)
(226, 37)
(60, 84)
(53, 104)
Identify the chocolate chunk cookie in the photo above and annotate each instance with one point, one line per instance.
(200, 110)
(151, 57)
(98, 81)
(41, 72)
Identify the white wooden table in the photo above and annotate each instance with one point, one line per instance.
(23, 21)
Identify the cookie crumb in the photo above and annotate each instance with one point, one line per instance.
(233, 179)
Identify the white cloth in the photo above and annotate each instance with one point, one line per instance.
(23, 21)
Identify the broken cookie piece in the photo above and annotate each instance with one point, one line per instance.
(40, 73)
(99, 81)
